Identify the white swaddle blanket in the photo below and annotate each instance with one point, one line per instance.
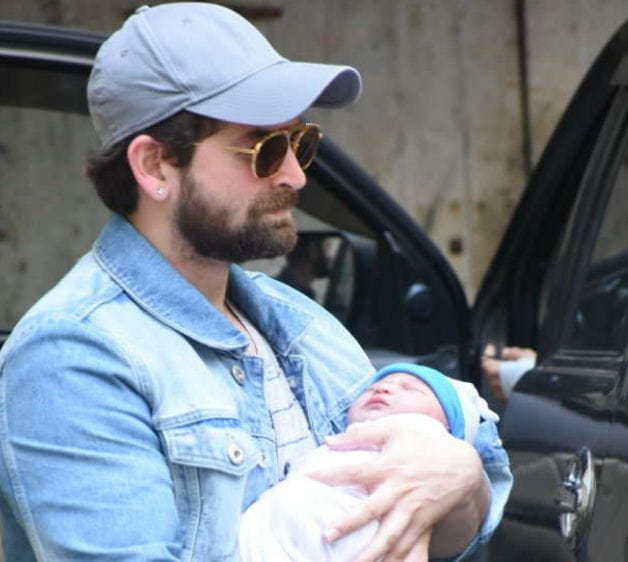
(286, 523)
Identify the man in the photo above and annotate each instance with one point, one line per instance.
(307, 261)
(157, 390)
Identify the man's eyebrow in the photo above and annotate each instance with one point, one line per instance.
(256, 134)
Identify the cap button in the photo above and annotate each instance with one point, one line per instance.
(238, 374)
(236, 455)
(142, 9)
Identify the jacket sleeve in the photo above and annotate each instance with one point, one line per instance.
(81, 465)
(497, 471)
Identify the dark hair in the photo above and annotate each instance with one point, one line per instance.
(111, 174)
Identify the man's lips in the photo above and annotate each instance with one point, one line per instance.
(278, 211)
(275, 202)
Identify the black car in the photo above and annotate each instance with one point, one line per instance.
(558, 283)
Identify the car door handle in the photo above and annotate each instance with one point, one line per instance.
(575, 497)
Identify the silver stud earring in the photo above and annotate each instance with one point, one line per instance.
(161, 190)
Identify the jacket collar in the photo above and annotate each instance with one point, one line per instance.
(157, 287)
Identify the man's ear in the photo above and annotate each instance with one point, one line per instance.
(145, 156)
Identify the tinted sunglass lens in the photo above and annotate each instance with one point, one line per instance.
(308, 145)
(271, 155)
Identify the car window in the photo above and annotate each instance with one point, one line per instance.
(601, 314)
(49, 214)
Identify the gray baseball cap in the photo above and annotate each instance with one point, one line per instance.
(208, 60)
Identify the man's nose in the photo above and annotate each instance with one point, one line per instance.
(290, 172)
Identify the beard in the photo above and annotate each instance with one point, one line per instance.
(205, 226)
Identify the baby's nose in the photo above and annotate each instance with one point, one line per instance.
(381, 388)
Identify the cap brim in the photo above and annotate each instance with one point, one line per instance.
(281, 92)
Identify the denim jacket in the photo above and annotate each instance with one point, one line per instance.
(132, 424)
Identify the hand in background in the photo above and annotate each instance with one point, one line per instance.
(502, 373)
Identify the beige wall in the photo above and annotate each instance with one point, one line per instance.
(439, 124)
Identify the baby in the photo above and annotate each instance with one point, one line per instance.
(287, 521)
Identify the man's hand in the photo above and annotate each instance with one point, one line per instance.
(421, 550)
(424, 477)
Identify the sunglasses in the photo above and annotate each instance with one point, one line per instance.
(268, 154)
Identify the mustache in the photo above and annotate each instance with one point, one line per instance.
(279, 200)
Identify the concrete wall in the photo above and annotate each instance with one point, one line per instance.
(440, 124)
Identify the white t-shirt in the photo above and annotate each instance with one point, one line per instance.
(293, 437)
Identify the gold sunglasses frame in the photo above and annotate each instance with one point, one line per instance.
(293, 135)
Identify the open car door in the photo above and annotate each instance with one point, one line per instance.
(559, 284)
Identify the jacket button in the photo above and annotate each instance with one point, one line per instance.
(263, 462)
(238, 374)
(236, 455)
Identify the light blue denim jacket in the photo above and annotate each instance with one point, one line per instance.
(132, 425)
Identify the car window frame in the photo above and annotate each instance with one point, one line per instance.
(573, 258)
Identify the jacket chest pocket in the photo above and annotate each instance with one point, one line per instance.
(209, 461)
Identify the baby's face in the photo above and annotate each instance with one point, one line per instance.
(397, 393)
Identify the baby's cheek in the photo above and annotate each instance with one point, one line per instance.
(439, 415)
(354, 411)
